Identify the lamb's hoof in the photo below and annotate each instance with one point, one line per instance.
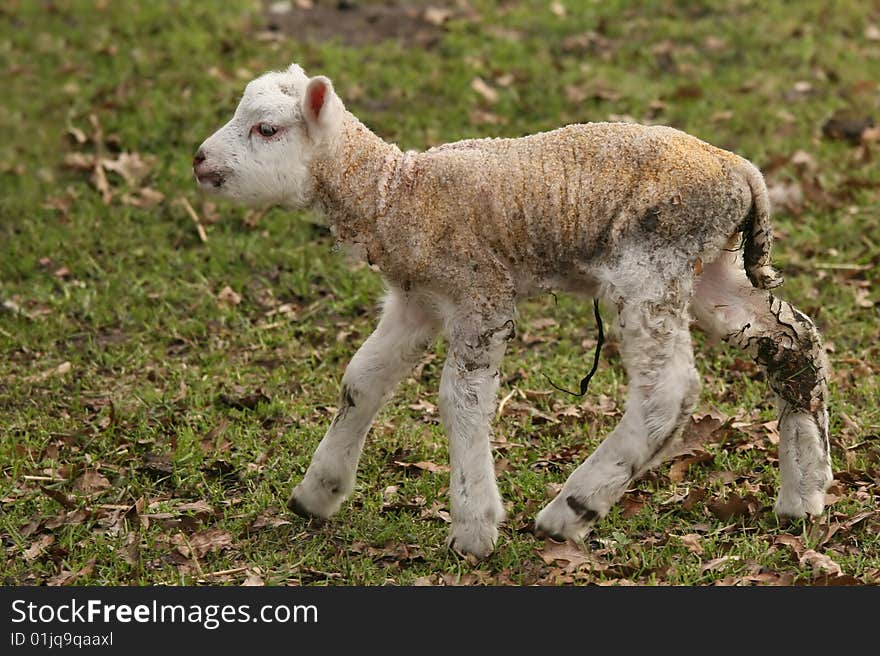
(542, 533)
(565, 519)
(297, 507)
(796, 506)
(307, 506)
(473, 539)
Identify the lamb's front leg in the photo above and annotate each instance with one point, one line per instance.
(468, 389)
(405, 330)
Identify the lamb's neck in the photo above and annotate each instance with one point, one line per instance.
(354, 179)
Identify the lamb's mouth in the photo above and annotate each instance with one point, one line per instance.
(211, 181)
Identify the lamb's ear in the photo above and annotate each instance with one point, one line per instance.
(321, 108)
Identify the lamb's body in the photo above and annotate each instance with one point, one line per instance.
(638, 215)
(546, 211)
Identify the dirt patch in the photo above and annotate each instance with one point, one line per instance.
(414, 24)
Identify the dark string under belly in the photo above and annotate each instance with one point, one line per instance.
(585, 381)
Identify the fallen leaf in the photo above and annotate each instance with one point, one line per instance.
(201, 509)
(38, 547)
(558, 9)
(424, 465)
(711, 428)
(91, 481)
(488, 94)
(241, 399)
(847, 127)
(130, 166)
(436, 15)
(252, 579)
(228, 297)
(145, 198)
(820, 563)
(436, 511)
(203, 542)
(693, 543)
(60, 370)
(679, 468)
(482, 117)
(733, 506)
(68, 577)
(131, 552)
(717, 563)
(66, 501)
(157, 464)
(796, 543)
(568, 554)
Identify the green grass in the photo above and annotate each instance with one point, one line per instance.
(124, 299)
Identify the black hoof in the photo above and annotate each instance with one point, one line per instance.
(541, 533)
(298, 508)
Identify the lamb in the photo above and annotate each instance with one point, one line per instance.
(647, 218)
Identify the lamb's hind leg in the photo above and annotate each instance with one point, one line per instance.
(663, 390)
(785, 342)
(404, 332)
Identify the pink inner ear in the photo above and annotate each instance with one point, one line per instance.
(316, 98)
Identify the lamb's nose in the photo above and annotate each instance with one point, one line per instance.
(199, 158)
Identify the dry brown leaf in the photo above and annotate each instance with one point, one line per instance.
(131, 166)
(201, 509)
(253, 579)
(679, 468)
(228, 297)
(711, 428)
(38, 547)
(68, 577)
(203, 542)
(60, 370)
(131, 551)
(848, 127)
(717, 563)
(485, 91)
(558, 9)
(243, 399)
(733, 506)
(436, 511)
(268, 519)
(436, 15)
(693, 542)
(796, 543)
(569, 555)
(863, 298)
(79, 161)
(482, 117)
(424, 465)
(91, 481)
(820, 563)
(145, 198)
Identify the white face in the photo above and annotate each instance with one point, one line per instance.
(263, 155)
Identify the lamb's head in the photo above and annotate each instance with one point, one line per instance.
(264, 155)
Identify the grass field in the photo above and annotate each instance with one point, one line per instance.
(161, 391)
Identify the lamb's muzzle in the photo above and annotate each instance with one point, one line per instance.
(463, 231)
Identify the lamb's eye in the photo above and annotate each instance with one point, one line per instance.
(265, 129)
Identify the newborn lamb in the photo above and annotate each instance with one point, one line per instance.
(648, 218)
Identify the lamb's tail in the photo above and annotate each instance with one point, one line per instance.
(758, 235)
